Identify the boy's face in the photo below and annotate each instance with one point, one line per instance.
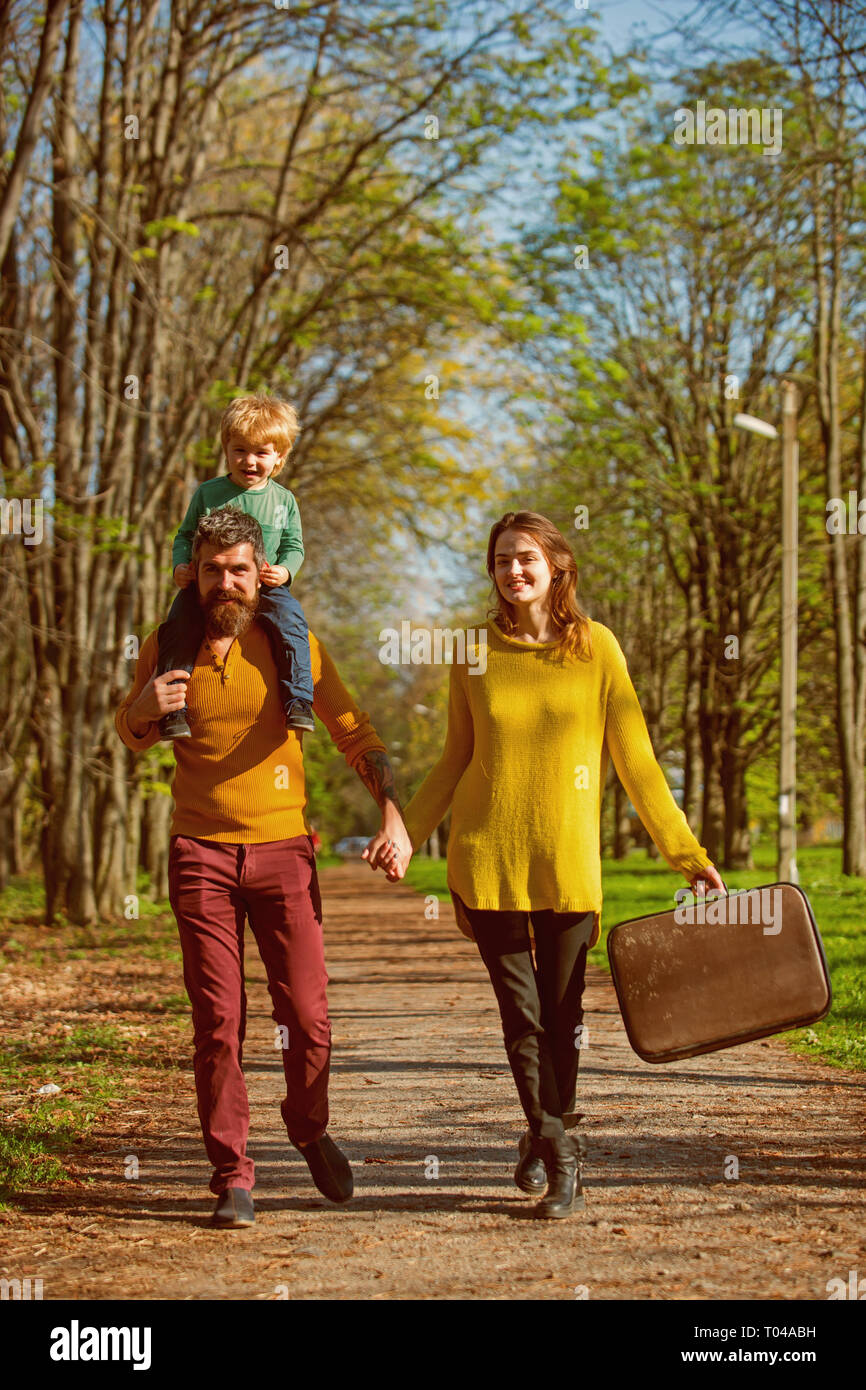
(250, 461)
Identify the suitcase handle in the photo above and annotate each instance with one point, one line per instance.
(715, 890)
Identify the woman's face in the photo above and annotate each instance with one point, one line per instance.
(520, 569)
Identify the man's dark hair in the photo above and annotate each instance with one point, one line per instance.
(227, 527)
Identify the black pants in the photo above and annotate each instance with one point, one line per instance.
(181, 635)
(540, 1004)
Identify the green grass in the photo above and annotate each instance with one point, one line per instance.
(23, 899)
(638, 885)
(29, 1149)
(24, 937)
(94, 1064)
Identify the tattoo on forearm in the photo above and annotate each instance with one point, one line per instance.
(377, 775)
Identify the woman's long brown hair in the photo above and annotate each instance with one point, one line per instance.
(571, 623)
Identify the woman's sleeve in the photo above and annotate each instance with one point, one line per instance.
(433, 797)
(627, 738)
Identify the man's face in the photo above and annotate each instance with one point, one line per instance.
(228, 588)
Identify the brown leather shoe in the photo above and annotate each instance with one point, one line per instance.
(234, 1208)
(329, 1168)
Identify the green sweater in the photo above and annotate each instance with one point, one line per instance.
(273, 507)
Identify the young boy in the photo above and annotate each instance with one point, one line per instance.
(257, 435)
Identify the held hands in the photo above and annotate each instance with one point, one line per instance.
(390, 849)
(272, 575)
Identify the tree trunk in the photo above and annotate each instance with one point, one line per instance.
(738, 839)
(828, 235)
(158, 820)
(621, 822)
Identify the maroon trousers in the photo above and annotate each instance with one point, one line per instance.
(213, 887)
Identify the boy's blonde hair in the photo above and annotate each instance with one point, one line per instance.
(261, 418)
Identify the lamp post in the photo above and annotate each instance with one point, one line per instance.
(786, 869)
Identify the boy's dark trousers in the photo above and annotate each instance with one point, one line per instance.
(181, 635)
(540, 1005)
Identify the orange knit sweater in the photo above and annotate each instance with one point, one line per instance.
(240, 777)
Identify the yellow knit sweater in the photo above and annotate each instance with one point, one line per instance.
(523, 768)
(240, 777)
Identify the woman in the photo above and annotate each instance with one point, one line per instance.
(523, 769)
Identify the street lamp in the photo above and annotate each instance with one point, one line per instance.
(787, 850)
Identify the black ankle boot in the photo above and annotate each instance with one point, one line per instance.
(530, 1174)
(564, 1193)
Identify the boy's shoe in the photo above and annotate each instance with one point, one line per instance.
(299, 715)
(175, 725)
(234, 1208)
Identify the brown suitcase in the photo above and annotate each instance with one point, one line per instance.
(750, 968)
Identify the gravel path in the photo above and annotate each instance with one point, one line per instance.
(424, 1105)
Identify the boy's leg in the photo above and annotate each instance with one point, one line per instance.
(287, 627)
(180, 637)
(207, 902)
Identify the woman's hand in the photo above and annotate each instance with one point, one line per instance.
(710, 875)
(390, 849)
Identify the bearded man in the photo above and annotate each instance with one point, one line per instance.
(241, 849)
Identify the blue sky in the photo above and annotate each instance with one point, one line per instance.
(439, 578)
(622, 20)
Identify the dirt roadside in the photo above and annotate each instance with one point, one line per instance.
(424, 1105)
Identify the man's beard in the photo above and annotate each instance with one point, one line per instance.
(228, 617)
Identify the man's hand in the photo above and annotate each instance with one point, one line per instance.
(184, 575)
(390, 849)
(159, 697)
(709, 876)
(272, 575)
